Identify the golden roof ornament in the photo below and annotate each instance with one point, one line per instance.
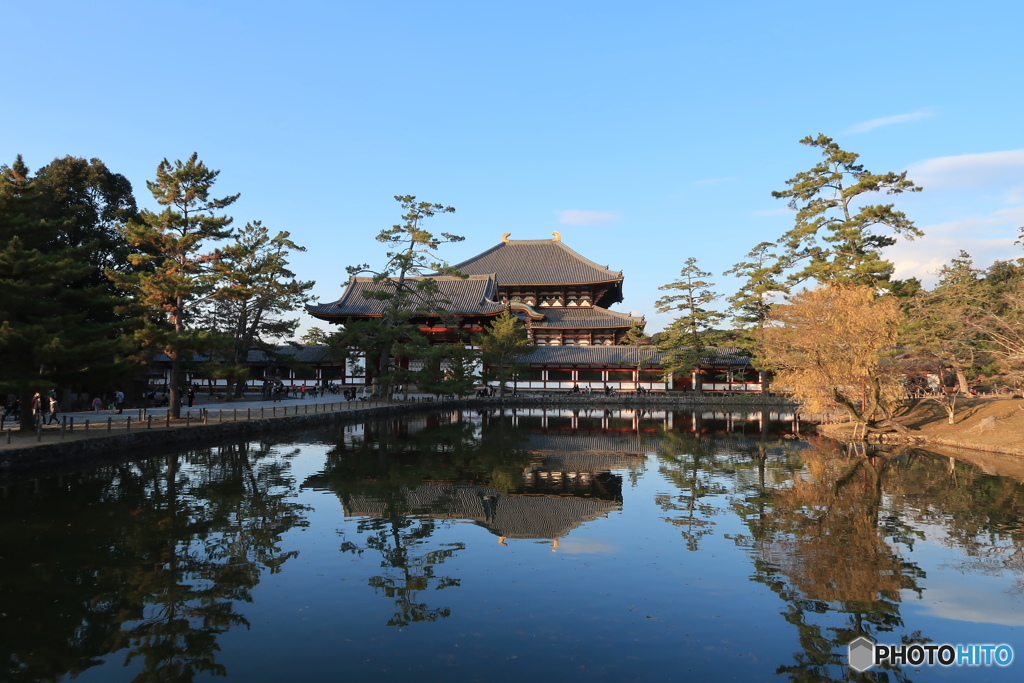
(558, 237)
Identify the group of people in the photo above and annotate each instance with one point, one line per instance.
(116, 403)
(45, 409)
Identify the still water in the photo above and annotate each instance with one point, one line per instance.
(549, 545)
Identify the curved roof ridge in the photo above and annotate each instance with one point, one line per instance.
(537, 262)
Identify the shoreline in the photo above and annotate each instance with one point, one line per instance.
(123, 437)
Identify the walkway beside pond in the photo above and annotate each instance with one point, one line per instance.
(88, 435)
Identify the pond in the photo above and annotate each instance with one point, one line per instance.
(499, 546)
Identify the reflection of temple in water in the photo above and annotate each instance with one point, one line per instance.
(553, 489)
(519, 516)
(571, 455)
(638, 432)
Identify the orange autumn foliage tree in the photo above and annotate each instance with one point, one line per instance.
(831, 347)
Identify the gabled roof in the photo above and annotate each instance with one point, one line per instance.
(509, 516)
(537, 262)
(583, 317)
(474, 295)
(594, 355)
(309, 353)
(732, 356)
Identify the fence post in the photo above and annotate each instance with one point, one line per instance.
(149, 422)
(110, 423)
(128, 427)
(248, 413)
(234, 414)
(188, 419)
(167, 420)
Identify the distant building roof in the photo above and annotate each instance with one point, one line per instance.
(583, 317)
(474, 295)
(309, 353)
(537, 262)
(726, 356)
(593, 355)
(509, 516)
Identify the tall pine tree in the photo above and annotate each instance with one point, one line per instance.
(51, 335)
(837, 241)
(686, 338)
(177, 245)
(399, 285)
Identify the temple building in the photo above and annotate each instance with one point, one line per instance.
(563, 299)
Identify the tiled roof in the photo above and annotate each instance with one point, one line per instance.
(726, 356)
(310, 353)
(583, 317)
(537, 262)
(590, 452)
(513, 516)
(593, 355)
(472, 295)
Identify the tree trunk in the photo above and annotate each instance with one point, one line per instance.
(174, 390)
(961, 381)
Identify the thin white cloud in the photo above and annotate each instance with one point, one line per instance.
(866, 126)
(712, 181)
(781, 211)
(971, 170)
(577, 217)
(985, 238)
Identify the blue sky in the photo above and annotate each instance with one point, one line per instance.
(644, 133)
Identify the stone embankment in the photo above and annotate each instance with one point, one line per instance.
(124, 436)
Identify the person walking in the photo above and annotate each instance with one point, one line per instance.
(96, 403)
(37, 408)
(119, 401)
(191, 396)
(54, 409)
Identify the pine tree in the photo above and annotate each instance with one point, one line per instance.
(501, 345)
(753, 302)
(256, 289)
(176, 246)
(399, 283)
(840, 242)
(686, 338)
(48, 338)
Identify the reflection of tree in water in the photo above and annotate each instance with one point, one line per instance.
(822, 545)
(407, 558)
(402, 450)
(387, 463)
(689, 464)
(162, 551)
(983, 514)
(405, 480)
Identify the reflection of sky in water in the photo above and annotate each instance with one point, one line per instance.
(958, 590)
(588, 546)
